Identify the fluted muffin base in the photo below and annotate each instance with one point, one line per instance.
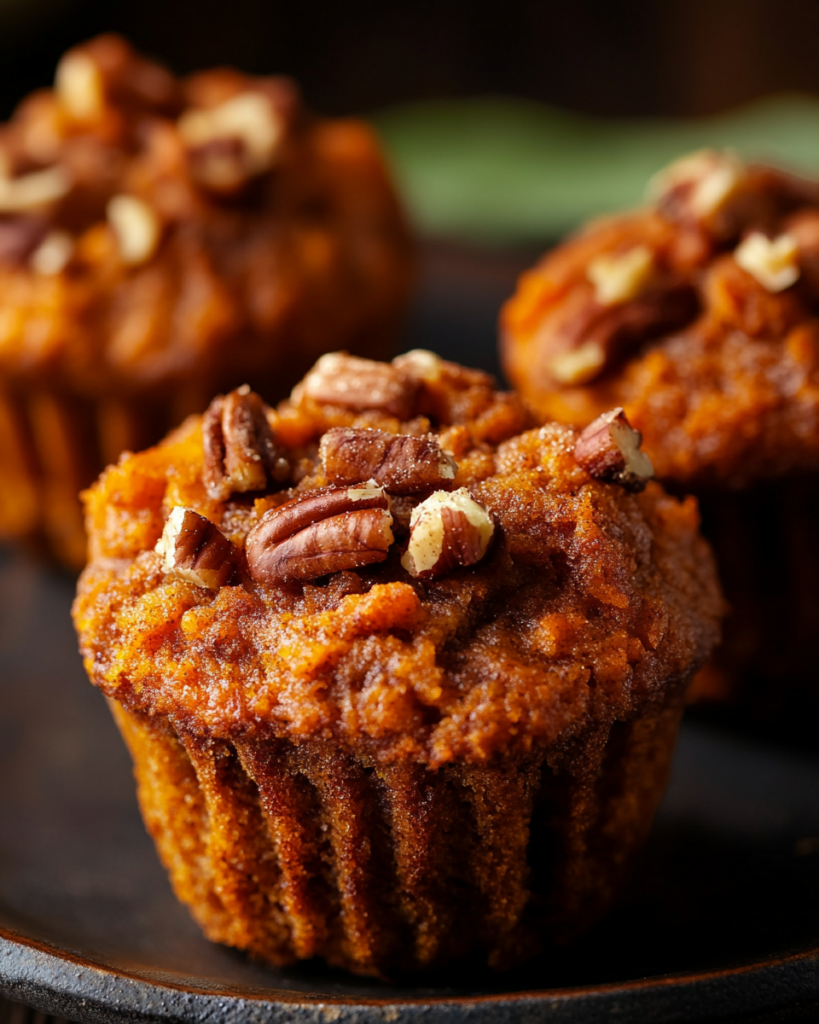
(293, 851)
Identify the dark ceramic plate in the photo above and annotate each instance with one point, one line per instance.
(721, 923)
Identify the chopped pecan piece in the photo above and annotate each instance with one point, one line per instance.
(323, 531)
(420, 363)
(447, 530)
(19, 238)
(233, 142)
(194, 549)
(399, 462)
(53, 254)
(136, 227)
(609, 449)
(773, 262)
(240, 453)
(703, 189)
(621, 276)
(589, 337)
(353, 383)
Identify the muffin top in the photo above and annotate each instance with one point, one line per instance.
(392, 560)
(150, 227)
(697, 314)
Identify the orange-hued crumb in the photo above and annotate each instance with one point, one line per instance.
(391, 772)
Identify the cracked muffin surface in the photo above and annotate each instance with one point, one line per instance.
(432, 654)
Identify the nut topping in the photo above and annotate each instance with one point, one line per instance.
(239, 451)
(773, 262)
(698, 186)
(619, 277)
(401, 463)
(353, 383)
(320, 532)
(447, 530)
(233, 142)
(420, 363)
(136, 228)
(53, 254)
(31, 191)
(79, 86)
(591, 337)
(609, 449)
(194, 549)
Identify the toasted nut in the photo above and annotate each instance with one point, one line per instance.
(591, 337)
(53, 254)
(447, 530)
(194, 549)
(239, 451)
(136, 228)
(619, 277)
(609, 449)
(79, 86)
(32, 191)
(773, 262)
(578, 366)
(19, 237)
(353, 383)
(421, 364)
(401, 463)
(233, 142)
(697, 186)
(321, 532)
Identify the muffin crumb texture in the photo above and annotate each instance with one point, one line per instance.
(419, 765)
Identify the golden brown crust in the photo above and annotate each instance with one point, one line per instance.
(729, 394)
(591, 604)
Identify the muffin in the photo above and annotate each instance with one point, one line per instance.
(401, 678)
(162, 240)
(698, 315)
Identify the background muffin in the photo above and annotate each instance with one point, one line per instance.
(161, 240)
(401, 683)
(697, 314)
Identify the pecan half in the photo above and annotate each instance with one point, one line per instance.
(240, 453)
(353, 383)
(609, 449)
(194, 549)
(447, 530)
(323, 531)
(588, 337)
(399, 462)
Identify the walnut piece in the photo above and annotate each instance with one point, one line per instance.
(320, 532)
(233, 142)
(353, 383)
(609, 450)
(401, 463)
(619, 277)
(240, 453)
(136, 228)
(194, 549)
(773, 262)
(447, 530)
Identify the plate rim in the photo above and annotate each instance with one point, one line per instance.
(57, 980)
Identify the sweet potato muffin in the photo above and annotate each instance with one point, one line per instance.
(162, 240)
(400, 677)
(698, 315)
